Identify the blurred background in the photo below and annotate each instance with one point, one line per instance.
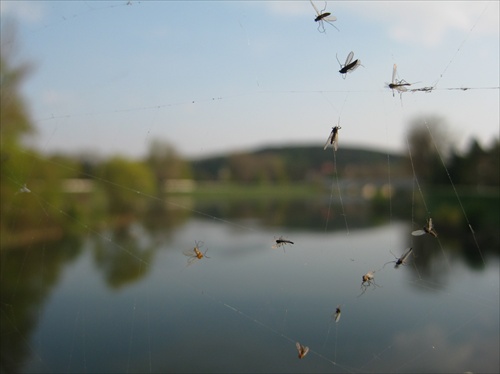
(130, 130)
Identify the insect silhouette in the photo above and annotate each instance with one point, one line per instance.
(195, 253)
(302, 349)
(427, 229)
(336, 316)
(398, 85)
(349, 64)
(368, 280)
(322, 17)
(400, 260)
(333, 138)
(281, 242)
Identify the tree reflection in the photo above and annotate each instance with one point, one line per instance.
(123, 255)
(28, 275)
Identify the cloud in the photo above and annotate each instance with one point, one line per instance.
(24, 11)
(479, 351)
(428, 23)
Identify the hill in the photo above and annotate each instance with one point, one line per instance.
(298, 163)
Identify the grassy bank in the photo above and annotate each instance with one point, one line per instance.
(250, 191)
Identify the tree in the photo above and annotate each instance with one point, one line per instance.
(123, 182)
(14, 118)
(166, 163)
(427, 135)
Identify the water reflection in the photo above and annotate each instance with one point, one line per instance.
(128, 291)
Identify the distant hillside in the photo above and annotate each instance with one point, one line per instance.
(297, 163)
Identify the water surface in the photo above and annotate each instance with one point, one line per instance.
(125, 301)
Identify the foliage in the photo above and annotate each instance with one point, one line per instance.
(295, 164)
(123, 181)
(476, 167)
(166, 164)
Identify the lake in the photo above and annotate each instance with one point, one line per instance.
(124, 300)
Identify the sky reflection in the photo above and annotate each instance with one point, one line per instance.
(244, 307)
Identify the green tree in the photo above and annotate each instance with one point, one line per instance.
(428, 139)
(166, 164)
(124, 181)
(14, 118)
(476, 166)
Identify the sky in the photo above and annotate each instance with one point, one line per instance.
(209, 78)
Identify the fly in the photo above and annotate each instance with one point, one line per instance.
(333, 138)
(349, 65)
(323, 17)
(302, 349)
(427, 229)
(401, 260)
(195, 253)
(396, 84)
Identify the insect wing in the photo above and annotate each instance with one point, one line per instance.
(353, 65)
(349, 58)
(330, 139)
(335, 142)
(305, 350)
(189, 252)
(315, 9)
(406, 254)
(418, 232)
(301, 350)
(330, 18)
(394, 69)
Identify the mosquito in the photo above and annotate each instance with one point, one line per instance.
(302, 349)
(400, 260)
(323, 17)
(333, 138)
(396, 84)
(368, 280)
(195, 253)
(427, 229)
(281, 242)
(336, 316)
(349, 65)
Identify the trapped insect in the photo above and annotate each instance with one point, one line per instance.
(349, 65)
(23, 189)
(368, 280)
(336, 316)
(427, 229)
(323, 17)
(333, 138)
(281, 242)
(302, 349)
(398, 85)
(195, 253)
(400, 260)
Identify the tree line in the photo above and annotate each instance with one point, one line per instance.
(431, 157)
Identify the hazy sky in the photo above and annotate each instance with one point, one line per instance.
(211, 77)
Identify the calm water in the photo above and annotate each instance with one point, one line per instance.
(125, 301)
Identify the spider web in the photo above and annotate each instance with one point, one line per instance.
(164, 308)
